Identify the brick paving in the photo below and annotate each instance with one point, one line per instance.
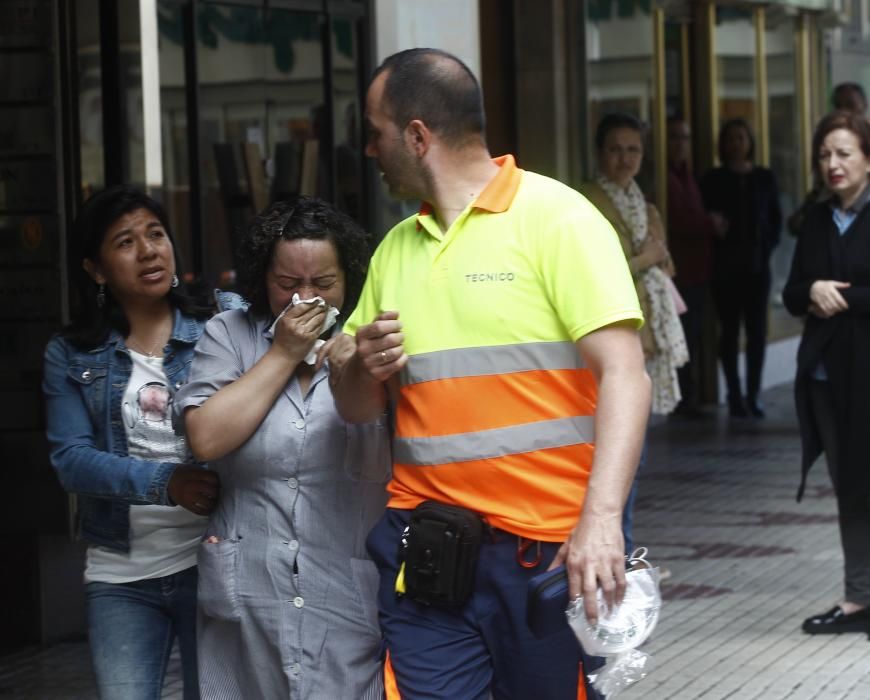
(716, 507)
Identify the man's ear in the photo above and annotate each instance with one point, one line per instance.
(419, 136)
(93, 270)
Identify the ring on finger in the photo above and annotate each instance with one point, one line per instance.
(383, 354)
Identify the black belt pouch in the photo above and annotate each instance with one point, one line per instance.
(441, 553)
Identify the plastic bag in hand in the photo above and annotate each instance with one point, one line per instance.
(619, 631)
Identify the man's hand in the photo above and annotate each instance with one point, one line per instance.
(194, 488)
(594, 558)
(379, 346)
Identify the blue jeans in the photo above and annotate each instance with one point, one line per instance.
(132, 627)
(628, 511)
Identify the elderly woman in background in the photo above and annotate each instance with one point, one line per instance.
(746, 196)
(110, 379)
(287, 592)
(829, 283)
(616, 194)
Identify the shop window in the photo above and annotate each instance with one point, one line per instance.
(261, 110)
(785, 150)
(347, 110)
(90, 97)
(735, 65)
(272, 114)
(620, 61)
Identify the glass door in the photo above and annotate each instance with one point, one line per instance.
(786, 152)
(621, 77)
(734, 50)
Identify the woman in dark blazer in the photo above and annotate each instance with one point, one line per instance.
(829, 283)
(747, 197)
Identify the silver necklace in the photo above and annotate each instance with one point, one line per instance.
(138, 347)
(142, 351)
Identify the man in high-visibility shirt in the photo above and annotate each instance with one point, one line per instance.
(501, 322)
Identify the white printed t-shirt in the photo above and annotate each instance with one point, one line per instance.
(163, 539)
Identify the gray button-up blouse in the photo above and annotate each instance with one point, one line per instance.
(287, 598)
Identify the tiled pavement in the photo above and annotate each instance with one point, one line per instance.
(716, 506)
(63, 672)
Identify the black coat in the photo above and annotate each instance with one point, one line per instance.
(842, 343)
(750, 202)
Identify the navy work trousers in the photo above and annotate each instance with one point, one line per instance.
(484, 647)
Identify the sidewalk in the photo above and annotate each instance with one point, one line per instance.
(716, 506)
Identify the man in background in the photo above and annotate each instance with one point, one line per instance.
(690, 239)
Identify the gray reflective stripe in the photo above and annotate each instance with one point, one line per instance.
(499, 442)
(493, 359)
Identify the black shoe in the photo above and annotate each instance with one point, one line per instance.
(835, 621)
(688, 411)
(736, 409)
(755, 409)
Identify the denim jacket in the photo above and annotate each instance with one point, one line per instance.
(88, 444)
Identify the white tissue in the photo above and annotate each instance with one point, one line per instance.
(328, 322)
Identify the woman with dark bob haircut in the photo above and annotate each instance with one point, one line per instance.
(109, 382)
(829, 285)
(287, 592)
(746, 196)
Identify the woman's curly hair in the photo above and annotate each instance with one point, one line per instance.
(298, 218)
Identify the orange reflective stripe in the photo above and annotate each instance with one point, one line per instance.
(468, 404)
(391, 688)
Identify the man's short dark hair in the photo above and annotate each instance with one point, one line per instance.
(438, 89)
(613, 121)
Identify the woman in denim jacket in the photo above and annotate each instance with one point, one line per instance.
(110, 379)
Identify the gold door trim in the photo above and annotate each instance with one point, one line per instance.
(660, 112)
(685, 76)
(761, 92)
(712, 77)
(804, 96)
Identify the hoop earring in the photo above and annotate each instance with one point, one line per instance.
(101, 296)
(174, 282)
